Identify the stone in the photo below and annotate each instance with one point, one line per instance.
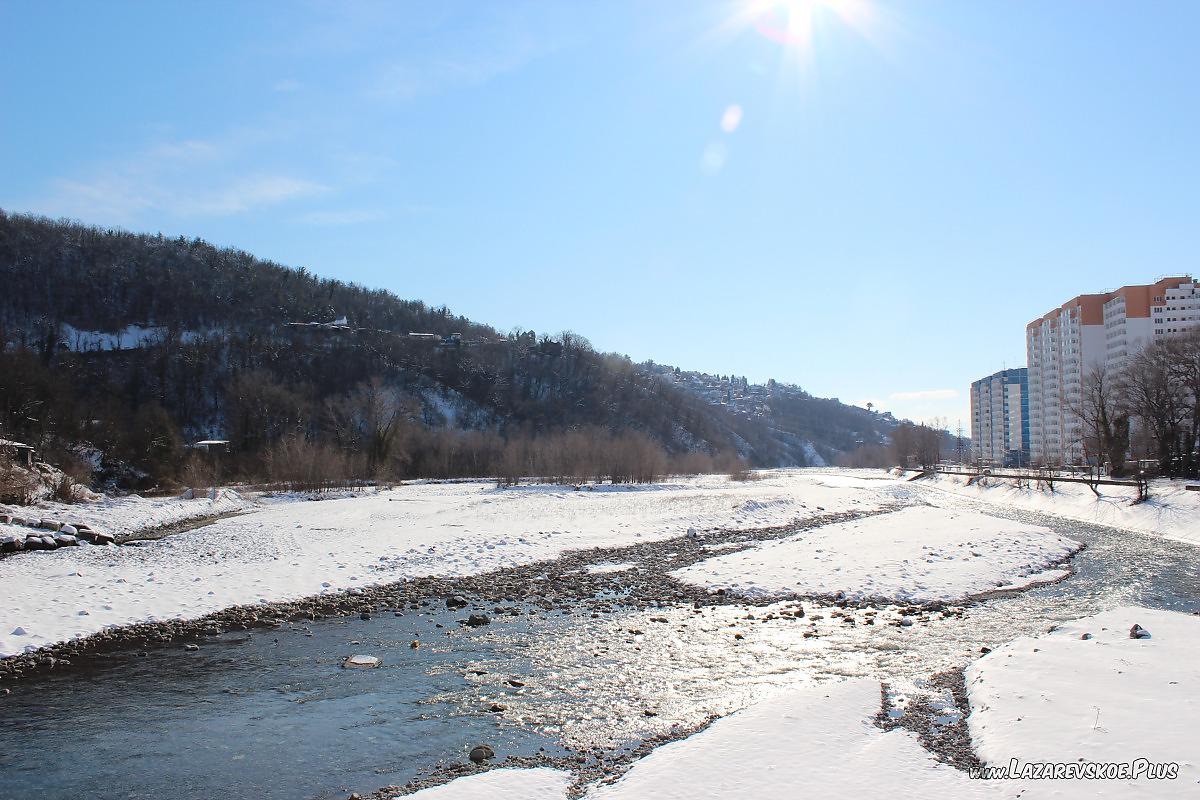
(191, 647)
(906, 622)
(456, 601)
(1138, 632)
(362, 662)
(1086, 636)
(496, 708)
(415, 644)
(478, 620)
(481, 753)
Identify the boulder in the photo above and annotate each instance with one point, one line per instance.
(481, 753)
(456, 601)
(10, 543)
(34, 543)
(68, 529)
(49, 524)
(65, 540)
(477, 620)
(362, 662)
(1138, 632)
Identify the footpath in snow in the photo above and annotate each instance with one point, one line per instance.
(815, 741)
(292, 550)
(918, 554)
(1087, 691)
(1171, 512)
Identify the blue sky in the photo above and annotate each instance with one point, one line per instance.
(873, 211)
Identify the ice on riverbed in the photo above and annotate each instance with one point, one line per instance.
(917, 554)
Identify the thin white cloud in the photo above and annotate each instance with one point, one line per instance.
(185, 179)
(925, 394)
(348, 217)
(246, 194)
(404, 80)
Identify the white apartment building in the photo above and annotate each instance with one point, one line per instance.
(1000, 419)
(1089, 331)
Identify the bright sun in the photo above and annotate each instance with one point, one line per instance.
(791, 22)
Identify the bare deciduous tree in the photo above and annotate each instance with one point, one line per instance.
(1104, 419)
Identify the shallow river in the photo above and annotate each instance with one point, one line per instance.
(272, 714)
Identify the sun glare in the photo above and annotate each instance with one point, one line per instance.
(792, 23)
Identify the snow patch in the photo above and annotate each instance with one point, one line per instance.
(917, 554)
(1108, 698)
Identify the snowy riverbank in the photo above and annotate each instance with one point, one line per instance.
(290, 550)
(123, 517)
(917, 554)
(1171, 512)
(1057, 698)
(810, 741)
(1106, 698)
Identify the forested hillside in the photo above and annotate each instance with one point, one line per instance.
(122, 347)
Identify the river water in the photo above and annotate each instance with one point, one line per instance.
(271, 713)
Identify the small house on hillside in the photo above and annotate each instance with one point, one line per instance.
(17, 453)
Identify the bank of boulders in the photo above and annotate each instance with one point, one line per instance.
(20, 533)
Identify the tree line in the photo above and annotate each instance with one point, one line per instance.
(223, 363)
(1149, 409)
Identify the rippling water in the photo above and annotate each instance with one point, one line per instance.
(272, 714)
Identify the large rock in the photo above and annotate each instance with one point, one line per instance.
(362, 662)
(478, 620)
(481, 753)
